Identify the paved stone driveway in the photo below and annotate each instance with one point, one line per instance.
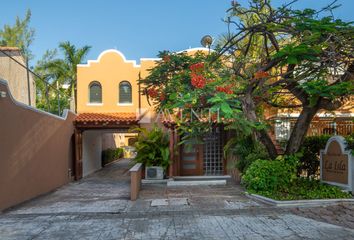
(98, 208)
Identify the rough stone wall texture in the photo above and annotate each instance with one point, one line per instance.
(16, 76)
(36, 150)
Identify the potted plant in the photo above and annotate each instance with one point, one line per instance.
(152, 149)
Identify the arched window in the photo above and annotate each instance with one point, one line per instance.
(125, 92)
(95, 92)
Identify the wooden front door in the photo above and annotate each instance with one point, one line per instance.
(191, 160)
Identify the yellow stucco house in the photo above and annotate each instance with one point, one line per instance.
(109, 103)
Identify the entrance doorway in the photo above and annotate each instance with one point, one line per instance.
(191, 164)
(204, 159)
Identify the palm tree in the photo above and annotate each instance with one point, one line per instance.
(65, 69)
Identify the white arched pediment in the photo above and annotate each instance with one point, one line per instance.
(106, 52)
(133, 62)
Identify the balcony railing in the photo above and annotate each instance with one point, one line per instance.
(282, 127)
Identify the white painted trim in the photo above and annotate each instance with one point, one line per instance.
(318, 115)
(89, 62)
(196, 183)
(298, 203)
(150, 59)
(22, 105)
(125, 104)
(340, 140)
(94, 104)
(196, 49)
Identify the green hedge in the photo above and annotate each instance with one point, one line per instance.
(278, 179)
(111, 154)
(271, 175)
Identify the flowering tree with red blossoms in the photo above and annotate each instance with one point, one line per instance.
(198, 95)
(280, 57)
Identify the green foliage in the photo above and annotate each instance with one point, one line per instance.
(19, 35)
(306, 57)
(350, 142)
(57, 71)
(193, 87)
(274, 175)
(321, 88)
(294, 54)
(303, 188)
(309, 162)
(247, 151)
(152, 147)
(111, 154)
(277, 179)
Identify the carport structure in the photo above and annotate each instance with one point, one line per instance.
(89, 128)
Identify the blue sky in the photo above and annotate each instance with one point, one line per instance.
(136, 28)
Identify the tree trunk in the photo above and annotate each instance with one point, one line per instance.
(300, 129)
(249, 109)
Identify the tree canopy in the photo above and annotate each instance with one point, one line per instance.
(19, 35)
(278, 57)
(60, 71)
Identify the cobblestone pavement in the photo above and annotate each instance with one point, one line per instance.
(98, 207)
(341, 215)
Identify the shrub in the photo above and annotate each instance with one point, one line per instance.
(111, 154)
(247, 150)
(278, 179)
(304, 188)
(152, 147)
(309, 162)
(271, 175)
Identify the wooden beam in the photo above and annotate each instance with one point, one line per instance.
(107, 126)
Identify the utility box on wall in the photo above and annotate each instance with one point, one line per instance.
(153, 173)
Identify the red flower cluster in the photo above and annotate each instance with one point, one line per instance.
(197, 67)
(162, 97)
(198, 81)
(261, 74)
(152, 92)
(226, 89)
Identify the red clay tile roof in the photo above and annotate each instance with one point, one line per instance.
(9, 49)
(113, 118)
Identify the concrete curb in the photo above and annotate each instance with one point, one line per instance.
(196, 183)
(299, 203)
(154, 181)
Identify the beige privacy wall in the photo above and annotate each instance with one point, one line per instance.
(36, 150)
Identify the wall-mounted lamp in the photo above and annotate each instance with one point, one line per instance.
(2, 94)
